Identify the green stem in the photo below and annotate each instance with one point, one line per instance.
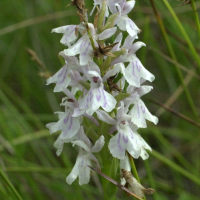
(10, 185)
(196, 15)
(134, 170)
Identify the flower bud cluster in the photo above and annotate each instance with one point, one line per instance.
(102, 82)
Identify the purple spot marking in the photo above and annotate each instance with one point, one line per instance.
(109, 32)
(63, 78)
(87, 99)
(66, 119)
(138, 110)
(73, 28)
(68, 27)
(139, 67)
(66, 38)
(119, 145)
(130, 24)
(133, 68)
(71, 123)
(91, 96)
(98, 97)
(142, 108)
(82, 161)
(60, 74)
(104, 97)
(82, 43)
(132, 137)
(86, 50)
(125, 138)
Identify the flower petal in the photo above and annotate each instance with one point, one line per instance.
(91, 118)
(128, 41)
(95, 162)
(109, 102)
(139, 113)
(135, 71)
(144, 90)
(69, 34)
(131, 28)
(59, 143)
(98, 145)
(81, 144)
(125, 164)
(103, 116)
(67, 124)
(61, 78)
(121, 23)
(84, 173)
(94, 101)
(117, 145)
(80, 169)
(107, 33)
(112, 72)
(128, 6)
(74, 173)
(134, 47)
(86, 56)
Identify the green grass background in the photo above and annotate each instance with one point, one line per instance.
(28, 163)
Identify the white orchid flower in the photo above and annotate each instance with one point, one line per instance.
(83, 45)
(85, 158)
(69, 34)
(96, 96)
(127, 138)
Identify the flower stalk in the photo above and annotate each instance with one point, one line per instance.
(103, 85)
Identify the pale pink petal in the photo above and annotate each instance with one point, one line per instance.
(121, 23)
(59, 143)
(103, 116)
(144, 90)
(81, 144)
(139, 113)
(84, 173)
(91, 118)
(131, 28)
(86, 52)
(125, 164)
(74, 173)
(61, 78)
(108, 101)
(68, 124)
(98, 145)
(117, 145)
(119, 40)
(128, 41)
(128, 6)
(107, 33)
(135, 71)
(69, 34)
(134, 47)
(80, 169)
(112, 72)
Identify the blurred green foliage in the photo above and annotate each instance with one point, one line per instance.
(27, 156)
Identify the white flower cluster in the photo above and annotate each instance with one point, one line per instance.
(102, 81)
